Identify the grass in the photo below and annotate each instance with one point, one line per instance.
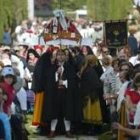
(31, 129)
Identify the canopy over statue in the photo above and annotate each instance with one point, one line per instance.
(60, 29)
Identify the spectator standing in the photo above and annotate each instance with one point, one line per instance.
(7, 40)
(133, 44)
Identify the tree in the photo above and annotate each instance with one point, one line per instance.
(108, 9)
(68, 4)
(11, 13)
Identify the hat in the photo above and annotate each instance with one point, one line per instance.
(6, 48)
(7, 71)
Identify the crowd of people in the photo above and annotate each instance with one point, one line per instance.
(81, 88)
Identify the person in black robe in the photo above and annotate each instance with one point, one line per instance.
(58, 102)
(79, 60)
(38, 86)
(90, 86)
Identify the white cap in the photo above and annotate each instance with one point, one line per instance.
(6, 47)
(7, 71)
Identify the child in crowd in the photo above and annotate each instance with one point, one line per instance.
(7, 80)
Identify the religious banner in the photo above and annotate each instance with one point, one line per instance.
(116, 33)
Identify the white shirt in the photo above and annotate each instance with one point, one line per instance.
(109, 80)
(134, 60)
(22, 97)
(65, 82)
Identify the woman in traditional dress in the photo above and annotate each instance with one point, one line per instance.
(85, 51)
(132, 99)
(38, 85)
(89, 87)
(121, 108)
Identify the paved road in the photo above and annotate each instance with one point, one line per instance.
(63, 138)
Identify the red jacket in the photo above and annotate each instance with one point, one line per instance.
(9, 89)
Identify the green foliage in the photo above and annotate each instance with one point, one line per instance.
(97, 9)
(108, 9)
(12, 11)
(68, 4)
(21, 10)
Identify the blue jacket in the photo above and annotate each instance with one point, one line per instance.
(7, 128)
(7, 38)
